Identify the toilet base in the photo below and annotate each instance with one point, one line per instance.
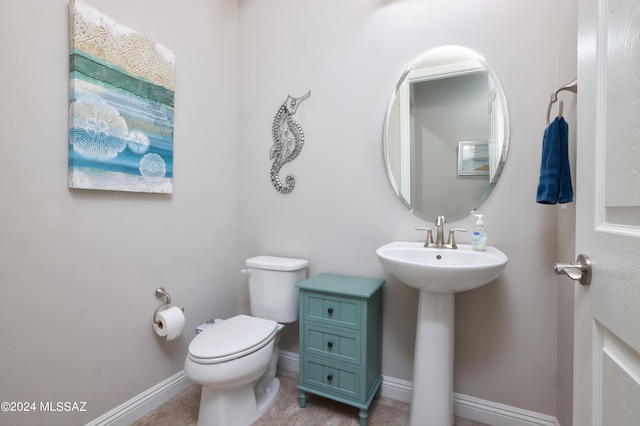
(265, 399)
(236, 407)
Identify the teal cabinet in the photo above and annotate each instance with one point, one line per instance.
(341, 340)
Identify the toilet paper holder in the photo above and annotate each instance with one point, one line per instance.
(161, 292)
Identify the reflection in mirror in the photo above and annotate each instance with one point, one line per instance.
(446, 133)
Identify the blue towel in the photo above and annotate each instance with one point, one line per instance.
(555, 172)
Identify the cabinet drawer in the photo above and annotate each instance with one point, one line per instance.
(332, 378)
(333, 310)
(333, 344)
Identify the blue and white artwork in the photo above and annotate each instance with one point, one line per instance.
(121, 106)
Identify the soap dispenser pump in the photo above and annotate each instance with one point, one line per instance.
(479, 234)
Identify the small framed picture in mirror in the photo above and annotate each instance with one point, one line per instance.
(473, 158)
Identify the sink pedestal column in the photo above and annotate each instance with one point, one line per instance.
(432, 399)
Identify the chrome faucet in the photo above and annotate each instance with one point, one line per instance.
(451, 243)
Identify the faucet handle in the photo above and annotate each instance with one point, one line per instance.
(452, 238)
(429, 239)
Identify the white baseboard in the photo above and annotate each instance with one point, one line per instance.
(289, 361)
(498, 414)
(131, 410)
(464, 406)
(400, 390)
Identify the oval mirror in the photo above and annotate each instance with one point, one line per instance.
(446, 133)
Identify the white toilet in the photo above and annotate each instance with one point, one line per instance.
(235, 361)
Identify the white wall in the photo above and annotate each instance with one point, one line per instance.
(350, 54)
(79, 268)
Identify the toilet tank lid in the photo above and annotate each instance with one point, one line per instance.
(274, 263)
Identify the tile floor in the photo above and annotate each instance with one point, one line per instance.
(183, 410)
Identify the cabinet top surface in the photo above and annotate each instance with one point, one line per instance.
(342, 284)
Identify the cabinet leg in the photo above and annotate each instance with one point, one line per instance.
(364, 416)
(302, 398)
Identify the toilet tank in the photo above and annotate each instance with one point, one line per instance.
(272, 287)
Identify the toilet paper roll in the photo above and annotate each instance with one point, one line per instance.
(170, 323)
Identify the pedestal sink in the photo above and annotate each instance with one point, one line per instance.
(438, 274)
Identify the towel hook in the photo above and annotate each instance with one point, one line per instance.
(160, 292)
(571, 87)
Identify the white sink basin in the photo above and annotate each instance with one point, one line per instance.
(441, 270)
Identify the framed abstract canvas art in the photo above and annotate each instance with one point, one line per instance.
(121, 106)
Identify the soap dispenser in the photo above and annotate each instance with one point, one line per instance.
(479, 234)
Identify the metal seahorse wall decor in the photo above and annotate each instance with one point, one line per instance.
(288, 139)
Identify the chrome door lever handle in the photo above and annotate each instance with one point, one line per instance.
(580, 271)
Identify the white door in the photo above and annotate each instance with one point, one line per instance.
(607, 315)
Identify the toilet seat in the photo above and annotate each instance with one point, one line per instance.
(231, 339)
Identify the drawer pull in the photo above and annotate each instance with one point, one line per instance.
(330, 377)
(330, 344)
(330, 311)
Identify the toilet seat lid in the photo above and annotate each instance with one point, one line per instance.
(232, 338)
(273, 263)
